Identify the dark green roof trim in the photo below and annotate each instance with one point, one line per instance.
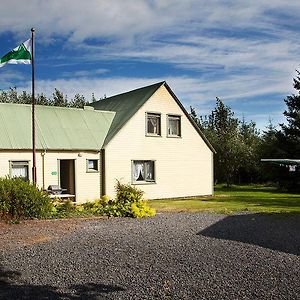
(125, 105)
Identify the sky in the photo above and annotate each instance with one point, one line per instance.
(244, 52)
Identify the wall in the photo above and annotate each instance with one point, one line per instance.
(184, 166)
(87, 184)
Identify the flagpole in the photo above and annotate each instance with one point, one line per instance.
(33, 110)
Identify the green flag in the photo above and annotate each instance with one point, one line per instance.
(19, 55)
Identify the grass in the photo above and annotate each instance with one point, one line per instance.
(253, 198)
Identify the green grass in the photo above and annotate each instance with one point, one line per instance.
(254, 198)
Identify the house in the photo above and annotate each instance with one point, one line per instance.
(144, 137)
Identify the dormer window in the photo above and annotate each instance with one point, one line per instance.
(153, 124)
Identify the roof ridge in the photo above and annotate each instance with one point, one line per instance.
(132, 91)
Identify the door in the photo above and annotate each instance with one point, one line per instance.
(67, 175)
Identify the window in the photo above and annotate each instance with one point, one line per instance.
(153, 124)
(174, 126)
(143, 171)
(92, 165)
(19, 169)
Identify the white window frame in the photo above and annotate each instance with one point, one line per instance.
(153, 115)
(92, 170)
(142, 172)
(21, 163)
(172, 117)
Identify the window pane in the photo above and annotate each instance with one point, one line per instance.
(153, 124)
(92, 164)
(174, 125)
(20, 169)
(149, 170)
(138, 171)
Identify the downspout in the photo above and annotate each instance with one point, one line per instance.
(102, 173)
(43, 167)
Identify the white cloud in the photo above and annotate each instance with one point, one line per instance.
(191, 92)
(233, 49)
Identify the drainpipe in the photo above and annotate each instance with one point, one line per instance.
(43, 167)
(102, 173)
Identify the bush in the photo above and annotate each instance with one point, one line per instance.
(128, 203)
(22, 200)
(129, 199)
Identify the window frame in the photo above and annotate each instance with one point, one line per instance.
(25, 163)
(145, 181)
(158, 116)
(88, 170)
(177, 117)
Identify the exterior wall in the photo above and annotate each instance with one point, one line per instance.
(87, 185)
(183, 166)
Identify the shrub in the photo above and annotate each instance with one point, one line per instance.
(129, 199)
(22, 200)
(141, 209)
(128, 203)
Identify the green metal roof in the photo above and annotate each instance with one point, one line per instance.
(57, 128)
(125, 105)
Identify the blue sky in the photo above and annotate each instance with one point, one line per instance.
(244, 52)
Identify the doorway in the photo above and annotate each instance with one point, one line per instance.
(67, 175)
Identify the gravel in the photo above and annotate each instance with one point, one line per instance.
(171, 256)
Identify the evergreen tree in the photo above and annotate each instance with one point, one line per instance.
(289, 137)
(59, 99)
(78, 101)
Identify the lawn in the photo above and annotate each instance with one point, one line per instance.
(254, 198)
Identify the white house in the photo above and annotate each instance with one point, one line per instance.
(144, 137)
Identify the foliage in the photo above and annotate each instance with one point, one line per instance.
(236, 144)
(22, 200)
(57, 99)
(128, 203)
(254, 198)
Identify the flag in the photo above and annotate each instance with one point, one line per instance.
(19, 55)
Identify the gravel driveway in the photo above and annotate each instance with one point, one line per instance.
(171, 256)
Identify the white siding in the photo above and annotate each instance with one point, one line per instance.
(183, 165)
(87, 185)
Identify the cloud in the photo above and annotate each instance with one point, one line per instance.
(233, 49)
(84, 73)
(192, 92)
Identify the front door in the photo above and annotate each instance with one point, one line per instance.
(67, 175)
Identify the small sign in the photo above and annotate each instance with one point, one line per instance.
(53, 173)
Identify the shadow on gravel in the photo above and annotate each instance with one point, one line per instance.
(11, 287)
(277, 232)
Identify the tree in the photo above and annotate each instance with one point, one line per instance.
(289, 137)
(250, 167)
(59, 99)
(78, 101)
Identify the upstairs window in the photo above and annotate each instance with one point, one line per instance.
(19, 169)
(153, 124)
(143, 171)
(174, 126)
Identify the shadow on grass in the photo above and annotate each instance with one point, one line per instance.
(277, 232)
(12, 288)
